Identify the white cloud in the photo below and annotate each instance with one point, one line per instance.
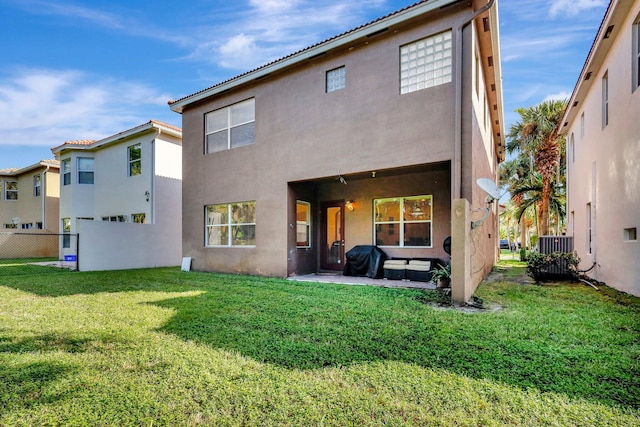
(560, 96)
(271, 29)
(573, 7)
(48, 107)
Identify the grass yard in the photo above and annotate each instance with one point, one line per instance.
(164, 347)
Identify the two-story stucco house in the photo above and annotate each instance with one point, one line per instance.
(372, 137)
(602, 125)
(29, 206)
(123, 195)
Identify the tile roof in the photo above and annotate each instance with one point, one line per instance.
(171, 102)
(88, 143)
(18, 171)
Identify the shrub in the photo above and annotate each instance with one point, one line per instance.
(554, 265)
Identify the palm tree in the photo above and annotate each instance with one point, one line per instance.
(529, 196)
(535, 136)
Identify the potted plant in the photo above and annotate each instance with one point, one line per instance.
(442, 276)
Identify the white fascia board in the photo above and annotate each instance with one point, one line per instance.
(308, 53)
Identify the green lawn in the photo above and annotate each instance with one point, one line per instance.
(164, 347)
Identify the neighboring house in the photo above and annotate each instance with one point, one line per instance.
(29, 204)
(602, 125)
(372, 137)
(111, 188)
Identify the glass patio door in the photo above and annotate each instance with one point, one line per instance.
(332, 236)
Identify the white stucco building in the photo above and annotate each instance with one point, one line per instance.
(602, 126)
(122, 194)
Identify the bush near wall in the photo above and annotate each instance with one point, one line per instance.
(556, 265)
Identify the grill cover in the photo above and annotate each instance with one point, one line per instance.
(364, 260)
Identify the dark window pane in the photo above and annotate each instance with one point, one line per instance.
(85, 177)
(387, 235)
(417, 234)
(243, 235)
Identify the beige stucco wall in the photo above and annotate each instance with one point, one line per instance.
(29, 208)
(604, 169)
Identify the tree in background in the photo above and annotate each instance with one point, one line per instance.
(535, 139)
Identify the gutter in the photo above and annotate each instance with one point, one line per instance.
(457, 150)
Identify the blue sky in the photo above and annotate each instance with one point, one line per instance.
(72, 69)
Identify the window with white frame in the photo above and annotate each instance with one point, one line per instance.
(426, 63)
(11, 190)
(582, 125)
(230, 127)
(403, 221)
(572, 149)
(134, 159)
(37, 185)
(605, 100)
(10, 226)
(636, 54)
(139, 218)
(66, 172)
(66, 229)
(336, 79)
(303, 224)
(231, 224)
(85, 170)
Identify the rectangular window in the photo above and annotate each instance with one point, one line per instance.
(230, 127)
(630, 234)
(232, 224)
(116, 218)
(582, 125)
(27, 226)
(336, 79)
(605, 100)
(426, 63)
(636, 54)
(135, 159)
(66, 172)
(39, 225)
(11, 190)
(85, 170)
(66, 229)
(37, 185)
(403, 221)
(139, 218)
(303, 224)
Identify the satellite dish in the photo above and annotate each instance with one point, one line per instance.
(15, 220)
(489, 187)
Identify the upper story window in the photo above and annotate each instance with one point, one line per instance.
(85, 170)
(230, 127)
(303, 224)
(426, 63)
(37, 185)
(336, 79)
(134, 157)
(636, 53)
(231, 224)
(403, 221)
(139, 218)
(605, 100)
(66, 172)
(11, 190)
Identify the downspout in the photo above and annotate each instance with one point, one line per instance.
(457, 150)
(43, 194)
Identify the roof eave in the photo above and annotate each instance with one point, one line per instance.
(345, 39)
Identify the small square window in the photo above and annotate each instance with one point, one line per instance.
(630, 234)
(336, 79)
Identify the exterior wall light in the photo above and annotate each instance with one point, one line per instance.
(349, 204)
